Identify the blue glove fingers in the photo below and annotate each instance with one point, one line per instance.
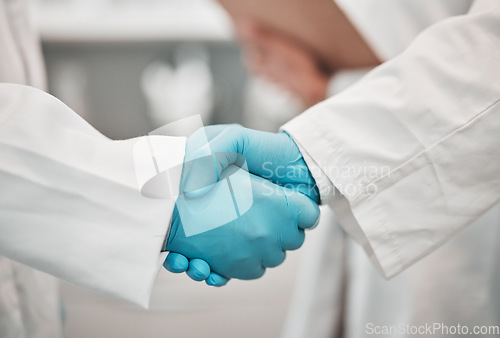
(217, 280)
(176, 263)
(309, 190)
(272, 156)
(204, 161)
(294, 240)
(226, 147)
(213, 131)
(199, 270)
(304, 214)
(226, 142)
(275, 157)
(254, 273)
(307, 211)
(274, 259)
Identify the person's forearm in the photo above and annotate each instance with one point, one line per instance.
(412, 148)
(71, 204)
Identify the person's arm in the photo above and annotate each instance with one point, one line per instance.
(70, 204)
(282, 60)
(277, 58)
(412, 149)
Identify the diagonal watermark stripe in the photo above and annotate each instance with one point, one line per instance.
(220, 199)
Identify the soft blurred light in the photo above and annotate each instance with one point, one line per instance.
(131, 20)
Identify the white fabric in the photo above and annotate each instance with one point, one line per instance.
(338, 82)
(318, 303)
(389, 26)
(30, 305)
(339, 292)
(434, 100)
(70, 203)
(456, 284)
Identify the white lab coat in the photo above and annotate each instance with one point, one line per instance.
(430, 116)
(70, 203)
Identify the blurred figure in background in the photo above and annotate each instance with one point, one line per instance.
(339, 293)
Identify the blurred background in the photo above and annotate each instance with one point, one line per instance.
(131, 66)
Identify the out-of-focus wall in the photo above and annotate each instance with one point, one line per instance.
(102, 82)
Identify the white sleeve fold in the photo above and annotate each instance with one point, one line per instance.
(70, 203)
(413, 148)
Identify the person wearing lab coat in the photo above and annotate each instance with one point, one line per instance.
(34, 129)
(426, 124)
(80, 206)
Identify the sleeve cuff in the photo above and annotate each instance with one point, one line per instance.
(363, 222)
(323, 183)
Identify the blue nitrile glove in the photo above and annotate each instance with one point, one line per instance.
(253, 240)
(273, 156)
(196, 269)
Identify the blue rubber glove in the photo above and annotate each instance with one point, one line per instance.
(273, 156)
(196, 269)
(244, 247)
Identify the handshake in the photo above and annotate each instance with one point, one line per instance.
(252, 230)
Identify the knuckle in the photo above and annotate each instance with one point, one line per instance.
(299, 240)
(259, 273)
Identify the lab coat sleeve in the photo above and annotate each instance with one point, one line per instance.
(70, 203)
(413, 148)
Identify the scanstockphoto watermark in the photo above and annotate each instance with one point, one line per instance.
(438, 329)
(348, 179)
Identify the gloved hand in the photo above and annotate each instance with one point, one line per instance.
(273, 156)
(253, 241)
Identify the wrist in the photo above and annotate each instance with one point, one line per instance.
(324, 188)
